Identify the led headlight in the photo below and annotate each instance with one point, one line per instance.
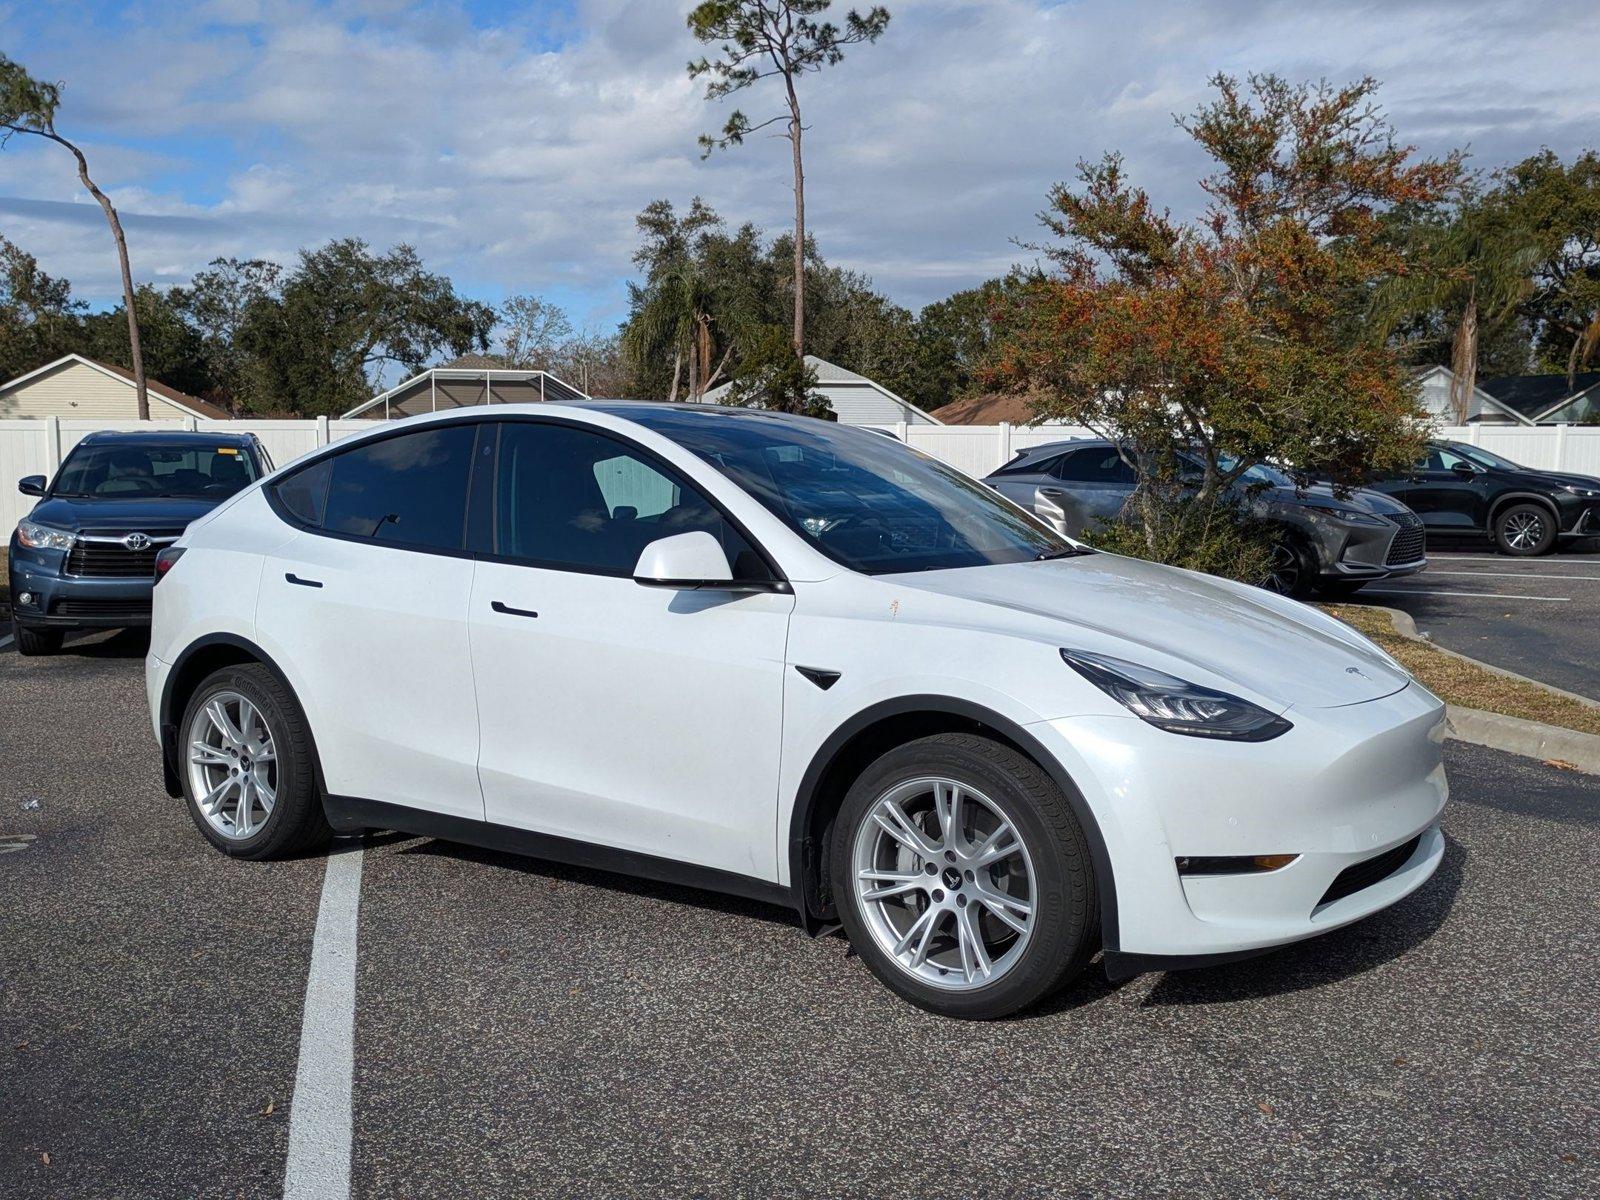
(1350, 516)
(1577, 489)
(42, 537)
(1174, 704)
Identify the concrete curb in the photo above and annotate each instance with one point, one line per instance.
(1531, 739)
(1527, 738)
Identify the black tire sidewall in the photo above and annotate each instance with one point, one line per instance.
(1064, 934)
(298, 807)
(31, 641)
(1545, 543)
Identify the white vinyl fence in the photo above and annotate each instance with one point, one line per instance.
(36, 447)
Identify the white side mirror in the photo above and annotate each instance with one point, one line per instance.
(685, 560)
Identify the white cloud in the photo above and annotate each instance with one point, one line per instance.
(516, 155)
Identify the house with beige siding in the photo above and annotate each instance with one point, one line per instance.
(75, 386)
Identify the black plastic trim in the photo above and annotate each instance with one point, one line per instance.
(349, 814)
(823, 678)
(500, 606)
(805, 798)
(1119, 966)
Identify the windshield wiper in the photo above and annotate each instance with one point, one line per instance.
(1069, 552)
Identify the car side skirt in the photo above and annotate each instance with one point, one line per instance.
(350, 814)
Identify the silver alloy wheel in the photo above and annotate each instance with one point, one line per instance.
(1283, 571)
(1524, 530)
(233, 765)
(944, 883)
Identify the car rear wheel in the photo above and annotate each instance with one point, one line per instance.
(1524, 530)
(962, 877)
(31, 642)
(247, 766)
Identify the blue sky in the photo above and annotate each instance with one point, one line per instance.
(513, 143)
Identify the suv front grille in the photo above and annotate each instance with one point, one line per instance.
(1374, 870)
(100, 553)
(106, 609)
(1411, 543)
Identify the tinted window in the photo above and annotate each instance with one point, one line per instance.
(1036, 464)
(305, 493)
(1441, 459)
(867, 502)
(150, 469)
(569, 497)
(1100, 465)
(409, 490)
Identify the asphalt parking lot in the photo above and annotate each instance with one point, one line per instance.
(522, 1029)
(1537, 616)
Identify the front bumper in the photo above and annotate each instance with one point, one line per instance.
(66, 601)
(1585, 522)
(1346, 551)
(1342, 787)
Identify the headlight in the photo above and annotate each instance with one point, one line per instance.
(1174, 704)
(42, 537)
(1350, 516)
(1578, 489)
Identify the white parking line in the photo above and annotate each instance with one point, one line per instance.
(1505, 560)
(1468, 595)
(5, 641)
(320, 1119)
(1507, 575)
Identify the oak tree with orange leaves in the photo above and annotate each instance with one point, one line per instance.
(1238, 337)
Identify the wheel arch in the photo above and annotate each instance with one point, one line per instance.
(197, 661)
(879, 728)
(1501, 502)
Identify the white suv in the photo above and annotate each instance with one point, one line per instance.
(795, 661)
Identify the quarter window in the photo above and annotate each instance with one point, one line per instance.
(1101, 465)
(579, 500)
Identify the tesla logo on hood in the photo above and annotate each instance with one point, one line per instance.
(1357, 671)
(137, 541)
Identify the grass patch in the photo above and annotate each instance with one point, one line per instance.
(1467, 684)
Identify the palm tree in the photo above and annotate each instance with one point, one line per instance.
(677, 318)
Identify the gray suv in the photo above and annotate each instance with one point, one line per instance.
(1331, 543)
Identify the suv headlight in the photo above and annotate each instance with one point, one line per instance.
(1174, 704)
(42, 537)
(1577, 489)
(1350, 516)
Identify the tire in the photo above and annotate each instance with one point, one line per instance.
(1342, 587)
(1052, 872)
(1524, 530)
(32, 643)
(1293, 571)
(296, 822)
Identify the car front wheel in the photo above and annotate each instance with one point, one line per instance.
(962, 877)
(247, 766)
(32, 642)
(1524, 530)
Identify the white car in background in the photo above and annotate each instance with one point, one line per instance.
(795, 661)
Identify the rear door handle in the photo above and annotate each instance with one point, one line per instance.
(500, 607)
(293, 578)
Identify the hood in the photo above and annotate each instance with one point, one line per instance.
(120, 513)
(1361, 499)
(1557, 478)
(1210, 631)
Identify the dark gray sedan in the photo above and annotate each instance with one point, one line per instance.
(1333, 543)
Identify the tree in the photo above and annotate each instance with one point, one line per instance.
(764, 39)
(1560, 204)
(535, 331)
(217, 303)
(344, 312)
(29, 107)
(1474, 269)
(174, 351)
(954, 338)
(1240, 337)
(39, 319)
(774, 376)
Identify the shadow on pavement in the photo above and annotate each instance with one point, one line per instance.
(1370, 942)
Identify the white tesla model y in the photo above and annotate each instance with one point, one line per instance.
(794, 661)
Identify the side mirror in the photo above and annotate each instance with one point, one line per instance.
(684, 561)
(1462, 468)
(31, 485)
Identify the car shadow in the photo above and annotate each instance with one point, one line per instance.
(1329, 958)
(673, 893)
(123, 643)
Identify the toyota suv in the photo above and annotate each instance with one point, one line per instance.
(85, 557)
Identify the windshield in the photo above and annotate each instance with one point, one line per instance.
(151, 470)
(1261, 473)
(867, 502)
(1486, 458)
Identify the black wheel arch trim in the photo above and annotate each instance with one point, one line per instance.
(800, 856)
(1503, 501)
(168, 720)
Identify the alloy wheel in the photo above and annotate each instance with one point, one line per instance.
(1283, 570)
(944, 883)
(1523, 530)
(233, 765)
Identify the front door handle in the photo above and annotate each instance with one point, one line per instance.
(500, 607)
(293, 578)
